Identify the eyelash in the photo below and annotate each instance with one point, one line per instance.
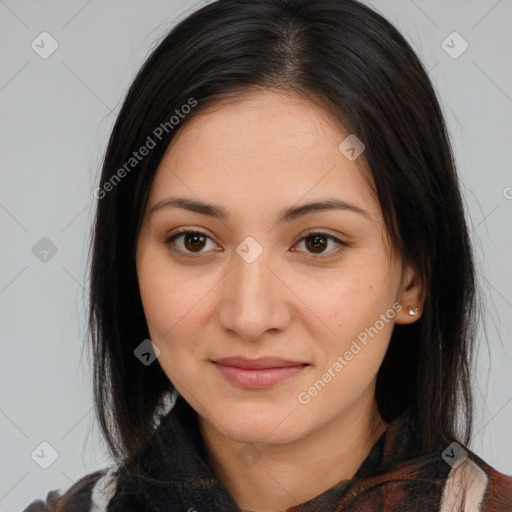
(170, 243)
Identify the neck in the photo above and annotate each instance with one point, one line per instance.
(288, 474)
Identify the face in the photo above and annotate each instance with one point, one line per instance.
(317, 288)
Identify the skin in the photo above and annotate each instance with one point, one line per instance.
(255, 154)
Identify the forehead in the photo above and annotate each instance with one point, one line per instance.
(262, 147)
(259, 123)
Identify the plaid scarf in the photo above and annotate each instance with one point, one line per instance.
(396, 476)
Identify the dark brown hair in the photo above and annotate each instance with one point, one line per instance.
(347, 56)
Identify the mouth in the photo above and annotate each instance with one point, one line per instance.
(259, 373)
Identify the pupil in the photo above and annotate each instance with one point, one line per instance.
(319, 243)
(196, 238)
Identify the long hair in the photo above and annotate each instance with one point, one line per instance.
(348, 57)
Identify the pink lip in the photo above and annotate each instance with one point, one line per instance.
(257, 373)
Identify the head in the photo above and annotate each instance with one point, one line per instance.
(252, 107)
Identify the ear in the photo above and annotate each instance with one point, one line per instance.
(411, 296)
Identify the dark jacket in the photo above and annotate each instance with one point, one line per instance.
(395, 477)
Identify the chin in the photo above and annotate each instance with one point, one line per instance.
(260, 424)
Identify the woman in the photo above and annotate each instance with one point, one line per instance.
(282, 282)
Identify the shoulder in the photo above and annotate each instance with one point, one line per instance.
(91, 493)
(452, 480)
(473, 481)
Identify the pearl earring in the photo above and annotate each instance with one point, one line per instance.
(413, 311)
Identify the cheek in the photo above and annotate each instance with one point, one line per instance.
(158, 301)
(351, 302)
(354, 353)
(175, 304)
(169, 312)
(165, 297)
(349, 360)
(166, 293)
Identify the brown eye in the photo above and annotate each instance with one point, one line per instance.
(194, 241)
(188, 242)
(316, 243)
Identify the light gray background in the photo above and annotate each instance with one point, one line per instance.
(56, 114)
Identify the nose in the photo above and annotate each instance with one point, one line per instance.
(253, 299)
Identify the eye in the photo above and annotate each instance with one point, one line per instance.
(317, 241)
(193, 242)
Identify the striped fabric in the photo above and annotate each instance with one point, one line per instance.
(395, 477)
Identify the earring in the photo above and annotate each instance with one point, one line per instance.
(413, 311)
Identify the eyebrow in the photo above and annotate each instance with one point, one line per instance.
(286, 215)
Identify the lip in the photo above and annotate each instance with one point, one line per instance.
(259, 373)
(257, 364)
